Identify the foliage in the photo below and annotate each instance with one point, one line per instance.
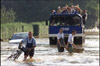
(40, 10)
(7, 16)
(8, 29)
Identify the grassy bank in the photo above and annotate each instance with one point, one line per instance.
(8, 29)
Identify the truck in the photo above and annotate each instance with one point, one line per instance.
(69, 22)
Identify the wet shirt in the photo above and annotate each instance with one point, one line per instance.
(26, 40)
(70, 38)
(60, 35)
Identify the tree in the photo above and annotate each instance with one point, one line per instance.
(7, 16)
(40, 10)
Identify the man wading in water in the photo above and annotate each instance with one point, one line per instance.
(70, 43)
(30, 45)
(60, 40)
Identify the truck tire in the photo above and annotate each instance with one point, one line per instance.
(53, 40)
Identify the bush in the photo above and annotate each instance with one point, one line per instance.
(8, 29)
(7, 16)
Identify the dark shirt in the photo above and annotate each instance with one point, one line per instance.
(84, 16)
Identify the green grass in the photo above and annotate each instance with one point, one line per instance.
(8, 29)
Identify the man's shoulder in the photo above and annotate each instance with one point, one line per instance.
(33, 38)
(70, 34)
(60, 33)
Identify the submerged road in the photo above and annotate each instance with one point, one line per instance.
(46, 55)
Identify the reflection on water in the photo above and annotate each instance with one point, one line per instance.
(49, 56)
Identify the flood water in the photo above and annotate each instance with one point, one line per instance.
(49, 56)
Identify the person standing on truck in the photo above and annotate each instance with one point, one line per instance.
(70, 43)
(59, 10)
(30, 45)
(60, 40)
(84, 16)
(53, 12)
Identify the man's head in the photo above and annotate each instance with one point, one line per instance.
(61, 30)
(69, 9)
(84, 11)
(73, 32)
(66, 6)
(77, 5)
(59, 7)
(53, 11)
(30, 34)
(72, 6)
(63, 8)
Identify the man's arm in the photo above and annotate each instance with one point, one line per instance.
(67, 44)
(20, 44)
(33, 47)
(74, 45)
(68, 41)
(59, 42)
(34, 44)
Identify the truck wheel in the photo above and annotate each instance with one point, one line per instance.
(60, 49)
(53, 40)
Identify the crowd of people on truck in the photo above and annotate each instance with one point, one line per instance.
(71, 10)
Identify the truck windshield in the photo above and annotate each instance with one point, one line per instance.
(65, 21)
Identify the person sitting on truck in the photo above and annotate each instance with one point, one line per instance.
(70, 43)
(77, 5)
(66, 6)
(59, 10)
(64, 10)
(84, 16)
(69, 10)
(77, 8)
(60, 37)
(30, 45)
(54, 12)
(72, 9)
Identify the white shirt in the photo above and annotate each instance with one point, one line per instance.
(70, 38)
(60, 35)
(72, 10)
